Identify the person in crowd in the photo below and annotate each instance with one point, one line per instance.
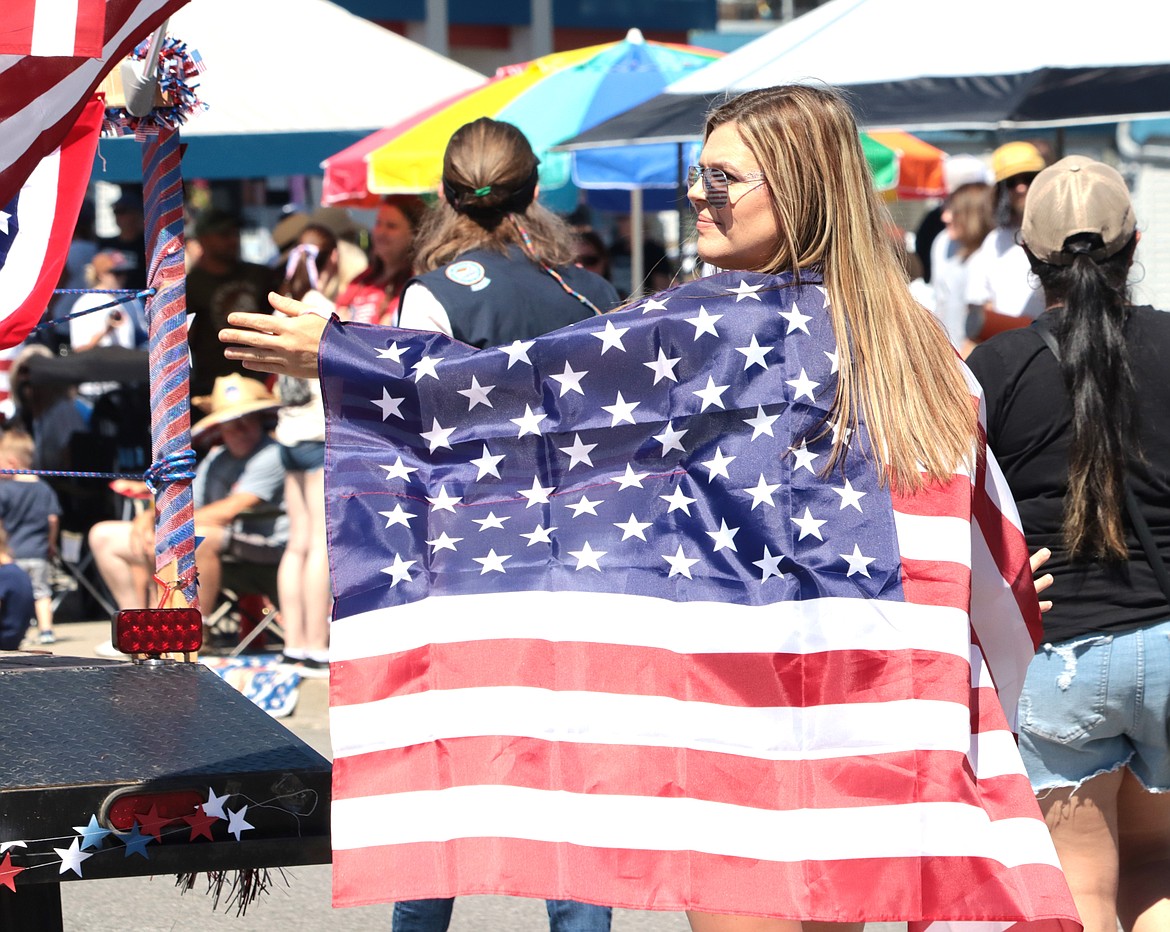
(16, 598)
(303, 576)
(374, 295)
(82, 248)
(334, 223)
(238, 495)
(219, 282)
(1077, 414)
(783, 190)
(967, 218)
(131, 236)
(31, 515)
(50, 411)
(1000, 293)
(591, 252)
(119, 325)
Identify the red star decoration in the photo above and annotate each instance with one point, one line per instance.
(8, 872)
(152, 823)
(200, 823)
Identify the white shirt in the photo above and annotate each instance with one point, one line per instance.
(999, 272)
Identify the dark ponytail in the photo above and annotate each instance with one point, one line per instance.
(1096, 369)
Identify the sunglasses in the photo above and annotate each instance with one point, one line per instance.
(715, 182)
(589, 261)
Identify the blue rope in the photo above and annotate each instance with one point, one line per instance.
(131, 294)
(171, 468)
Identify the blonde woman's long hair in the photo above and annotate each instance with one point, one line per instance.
(895, 363)
(489, 178)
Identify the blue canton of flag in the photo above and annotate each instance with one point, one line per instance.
(672, 450)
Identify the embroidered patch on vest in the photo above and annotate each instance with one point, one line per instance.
(469, 273)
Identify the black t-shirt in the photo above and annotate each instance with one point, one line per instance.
(1029, 428)
(211, 298)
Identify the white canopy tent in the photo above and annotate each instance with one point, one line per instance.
(288, 84)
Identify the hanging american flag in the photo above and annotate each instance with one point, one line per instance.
(53, 28)
(42, 97)
(37, 225)
(605, 632)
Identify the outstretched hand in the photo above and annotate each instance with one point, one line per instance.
(285, 343)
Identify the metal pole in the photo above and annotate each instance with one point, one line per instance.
(436, 26)
(541, 27)
(637, 244)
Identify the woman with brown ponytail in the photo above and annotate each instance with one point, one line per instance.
(1077, 415)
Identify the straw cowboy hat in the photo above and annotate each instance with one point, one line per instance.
(232, 396)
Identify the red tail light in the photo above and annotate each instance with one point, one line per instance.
(147, 807)
(158, 630)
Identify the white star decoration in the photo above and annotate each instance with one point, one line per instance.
(426, 366)
(443, 542)
(724, 537)
(850, 497)
(770, 565)
(491, 521)
(540, 535)
(399, 470)
(762, 493)
(518, 352)
(631, 479)
(588, 557)
(394, 352)
(237, 823)
(761, 423)
(487, 462)
(72, 857)
(538, 494)
(529, 423)
(493, 562)
(712, 394)
(578, 452)
(670, 438)
(437, 436)
(804, 457)
(621, 410)
(808, 526)
(754, 354)
(745, 291)
(632, 528)
(717, 465)
(585, 506)
(803, 385)
(678, 500)
(443, 501)
(653, 304)
(680, 563)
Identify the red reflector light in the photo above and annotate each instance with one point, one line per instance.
(148, 808)
(158, 630)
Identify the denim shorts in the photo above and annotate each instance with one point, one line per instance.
(1095, 704)
(305, 456)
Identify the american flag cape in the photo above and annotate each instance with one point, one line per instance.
(37, 226)
(604, 632)
(42, 97)
(53, 28)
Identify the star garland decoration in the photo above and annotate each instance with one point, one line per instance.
(177, 65)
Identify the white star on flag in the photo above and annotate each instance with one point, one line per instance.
(611, 337)
(399, 470)
(578, 452)
(833, 363)
(630, 479)
(437, 436)
(652, 304)
(754, 354)
(770, 565)
(632, 528)
(389, 405)
(712, 394)
(393, 352)
(397, 571)
(808, 525)
(538, 494)
(704, 322)
(803, 385)
(477, 394)
(663, 367)
(745, 291)
(493, 562)
(529, 422)
(762, 493)
(724, 537)
(850, 497)
(804, 457)
(796, 320)
(584, 506)
(487, 462)
(570, 381)
(518, 352)
(491, 521)
(443, 501)
(857, 562)
(587, 556)
(539, 535)
(717, 465)
(678, 500)
(426, 366)
(397, 515)
(444, 542)
(761, 423)
(621, 410)
(670, 438)
(680, 563)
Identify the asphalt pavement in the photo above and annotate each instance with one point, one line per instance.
(300, 897)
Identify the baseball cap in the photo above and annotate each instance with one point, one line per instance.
(1077, 195)
(113, 260)
(1016, 158)
(960, 170)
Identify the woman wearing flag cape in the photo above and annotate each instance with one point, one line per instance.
(786, 690)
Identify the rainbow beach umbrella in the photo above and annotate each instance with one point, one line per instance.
(550, 99)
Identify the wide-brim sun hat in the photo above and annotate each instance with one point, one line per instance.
(232, 396)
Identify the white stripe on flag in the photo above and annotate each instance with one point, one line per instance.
(36, 211)
(805, 627)
(937, 539)
(55, 28)
(681, 824)
(771, 733)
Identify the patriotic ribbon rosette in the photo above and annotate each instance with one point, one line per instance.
(606, 630)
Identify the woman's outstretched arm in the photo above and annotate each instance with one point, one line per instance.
(285, 343)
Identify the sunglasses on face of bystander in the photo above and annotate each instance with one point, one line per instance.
(716, 181)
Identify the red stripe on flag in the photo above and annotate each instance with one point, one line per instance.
(91, 27)
(747, 680)
(629, 770)
(934, 582)
(869, 889)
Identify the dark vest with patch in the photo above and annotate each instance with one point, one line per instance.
(493, 300)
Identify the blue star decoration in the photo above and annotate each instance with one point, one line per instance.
(92, 834)
(136, 842)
